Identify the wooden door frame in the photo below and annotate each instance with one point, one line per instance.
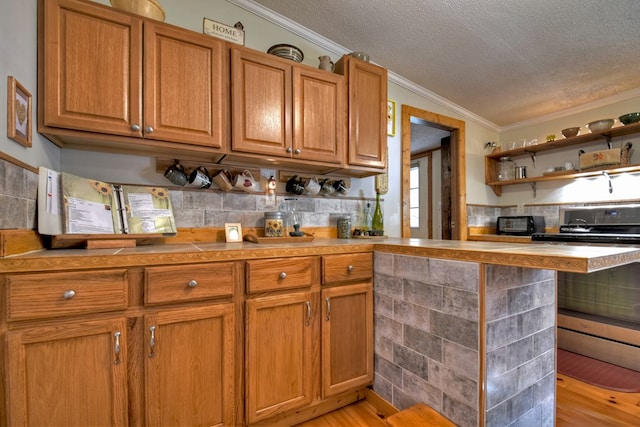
(458, 185)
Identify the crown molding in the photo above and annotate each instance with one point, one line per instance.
(326, 44)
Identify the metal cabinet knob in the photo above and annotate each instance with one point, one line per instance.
(69, 294)
(148, 129)
(289, 150)
(192, 283)
(298, 151)
(135, 128)
(350, 268)
(283, 275)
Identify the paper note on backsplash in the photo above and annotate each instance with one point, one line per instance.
(52, 205)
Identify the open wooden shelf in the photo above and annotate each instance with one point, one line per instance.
(492, 160)
(568, 142)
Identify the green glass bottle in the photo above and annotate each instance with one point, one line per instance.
(377, 224)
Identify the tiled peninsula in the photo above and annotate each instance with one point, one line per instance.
(474, 340)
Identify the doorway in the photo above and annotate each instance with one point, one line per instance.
(453, 185)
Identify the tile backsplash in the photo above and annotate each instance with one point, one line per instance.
(192, 208)
(18, 195)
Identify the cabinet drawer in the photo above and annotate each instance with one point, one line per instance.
(346, 268)
(34, 296)
(190, 282)
(280, 273)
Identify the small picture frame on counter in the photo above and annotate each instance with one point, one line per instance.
(233, 232)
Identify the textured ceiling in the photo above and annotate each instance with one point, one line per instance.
(507, 61)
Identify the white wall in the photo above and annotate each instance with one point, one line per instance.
(18, 58)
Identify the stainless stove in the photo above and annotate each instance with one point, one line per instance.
(599, 313)
(614, 224)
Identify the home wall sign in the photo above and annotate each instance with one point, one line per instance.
(233, 34)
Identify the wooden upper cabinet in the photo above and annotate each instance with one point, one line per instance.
(112, 73)
(91, 67)
(286, 110)
(261, 103)
(319, 115)
(367, 93)
(184, 86)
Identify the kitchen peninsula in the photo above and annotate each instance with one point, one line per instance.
(466, 327)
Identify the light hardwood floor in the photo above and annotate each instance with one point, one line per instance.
(578, 404)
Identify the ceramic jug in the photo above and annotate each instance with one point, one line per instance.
(326, 63)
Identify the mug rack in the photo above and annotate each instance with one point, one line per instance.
(189, 165)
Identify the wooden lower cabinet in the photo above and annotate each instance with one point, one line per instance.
(70, 374)
(189, 366)
(279, 354)
(261, 342)
(347, 338)
(307, 348)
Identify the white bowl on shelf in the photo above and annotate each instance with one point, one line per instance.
(600, 125)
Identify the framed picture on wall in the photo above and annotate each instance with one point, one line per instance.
(18, 112)
(391, 118)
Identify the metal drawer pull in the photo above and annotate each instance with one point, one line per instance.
(328, 301)
(192, 283)
(152, 341)
(283, 275)
(117, 347)
(350, 268)
(69, 294)
(308, 303)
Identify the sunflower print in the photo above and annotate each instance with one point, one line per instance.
(273, 228)
(101, 187)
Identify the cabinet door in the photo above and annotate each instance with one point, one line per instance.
(68, 375)
(185, 91)
(319, 115)
(91, 67)
(261, 104)
(189, 367)
(347, 338)
(278, 351)
(367, 114)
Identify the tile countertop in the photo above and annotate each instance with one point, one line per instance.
(581, 259)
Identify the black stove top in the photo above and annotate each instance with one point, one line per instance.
(618, 239)
(617, 224)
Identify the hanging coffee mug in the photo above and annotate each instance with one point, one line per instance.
(294, 185)
(176, 174)
(200, 178)
(326, 188)
(340, 187)
(312, 186)
(244, 181)
(223, 180)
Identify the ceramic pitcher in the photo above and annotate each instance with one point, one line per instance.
(326, 63)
